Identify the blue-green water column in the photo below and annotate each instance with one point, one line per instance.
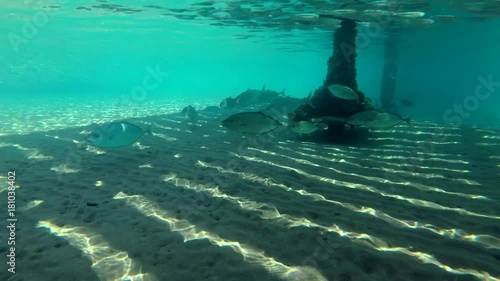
(388, 83)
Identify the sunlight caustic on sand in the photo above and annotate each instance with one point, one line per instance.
(458, 234)
(192, 232)
(109, 264)
(417, 202)
(269, 212)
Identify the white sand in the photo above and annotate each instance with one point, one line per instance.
(201, 203)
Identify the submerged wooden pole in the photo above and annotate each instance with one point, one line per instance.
(342, 63)
(341, 70)
(388, 83)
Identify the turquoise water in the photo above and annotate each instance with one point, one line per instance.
(196, 202)
(62, 51)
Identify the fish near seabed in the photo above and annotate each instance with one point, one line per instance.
(307, 127)
(248, 97)
(228, 103)
(116, 134)
(270, 95)
(284, 105)
(387, 120)
(309, 100)
(251, 122)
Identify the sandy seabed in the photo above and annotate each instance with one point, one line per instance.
(196, 202)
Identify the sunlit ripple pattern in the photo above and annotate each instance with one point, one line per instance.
(383, 180)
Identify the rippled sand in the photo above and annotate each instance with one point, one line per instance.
(195, 202)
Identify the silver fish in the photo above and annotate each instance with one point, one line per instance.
(284, 105)
(270, 95)
(376, 119)
(251, 122)
(212, 108)
(117, 134)
(306, 127)
(335, 119)
(343, 92)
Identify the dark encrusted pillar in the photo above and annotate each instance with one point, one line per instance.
(388, 83)
(341, 70)
(342, 63)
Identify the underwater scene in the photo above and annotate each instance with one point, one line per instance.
(250, 140)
